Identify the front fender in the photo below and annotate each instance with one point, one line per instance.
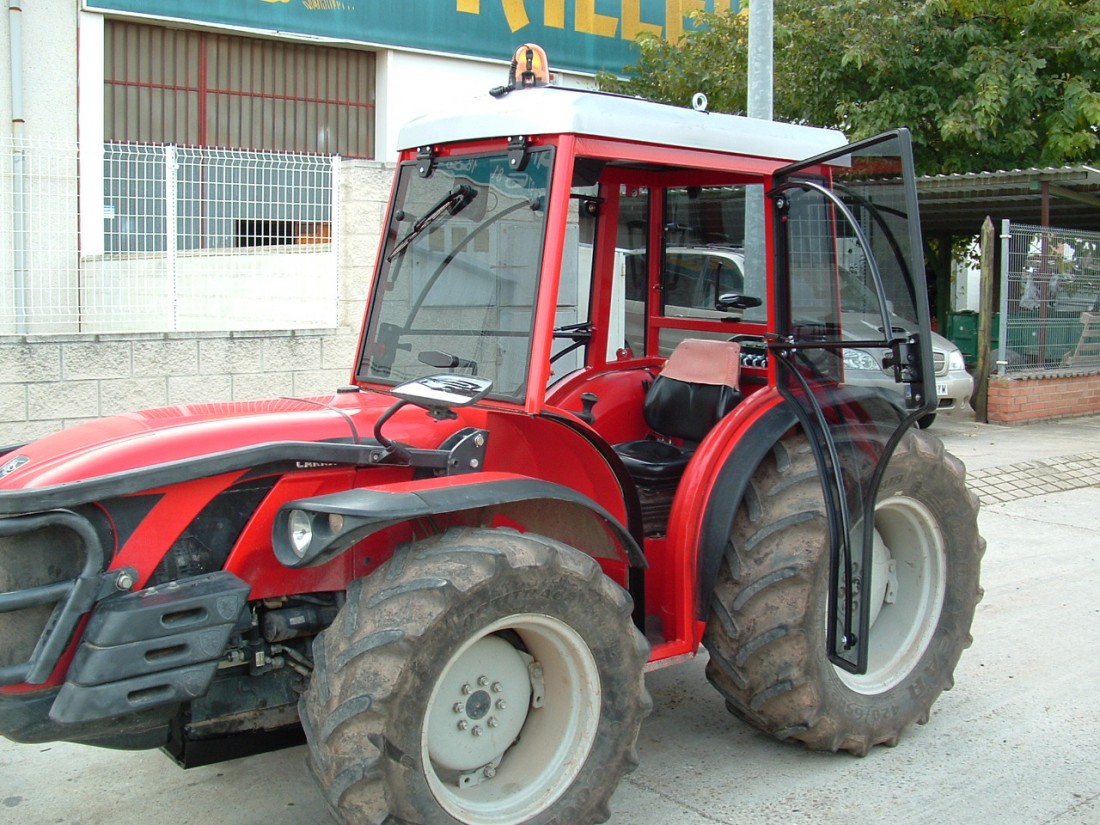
(323, 527)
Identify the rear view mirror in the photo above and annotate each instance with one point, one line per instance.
(441, 392)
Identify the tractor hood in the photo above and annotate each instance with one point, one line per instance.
(136, 442)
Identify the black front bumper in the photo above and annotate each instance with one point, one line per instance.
(141, 655)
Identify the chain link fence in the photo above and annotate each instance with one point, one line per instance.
(1050, 300)
(152, 238)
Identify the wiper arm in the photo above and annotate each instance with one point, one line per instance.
(450, 204)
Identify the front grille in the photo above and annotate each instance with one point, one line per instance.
(49, 568)
(46, 556)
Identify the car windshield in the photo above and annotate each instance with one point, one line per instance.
(460, 266)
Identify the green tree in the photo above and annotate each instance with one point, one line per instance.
(982, 84)
(710, 58)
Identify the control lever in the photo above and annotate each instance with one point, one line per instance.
(588, 401)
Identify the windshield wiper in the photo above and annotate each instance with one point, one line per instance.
(450, 204)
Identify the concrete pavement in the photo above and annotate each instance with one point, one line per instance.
(1015, 741)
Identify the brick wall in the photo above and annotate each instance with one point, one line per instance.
(1023, 399)
(52, 381)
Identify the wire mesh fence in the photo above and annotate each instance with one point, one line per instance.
(153, 238)
(1050, 300)
(38, 237)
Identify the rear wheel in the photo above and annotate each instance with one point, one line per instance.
(767, 629)
(480, 677)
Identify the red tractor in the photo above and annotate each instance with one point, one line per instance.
(565, 457)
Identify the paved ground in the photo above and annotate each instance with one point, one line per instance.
(1015, 741)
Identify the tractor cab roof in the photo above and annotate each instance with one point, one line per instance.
(550, 110)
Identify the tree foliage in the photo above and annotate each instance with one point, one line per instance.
(982, 84)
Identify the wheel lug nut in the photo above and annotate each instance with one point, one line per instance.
(502, 705)
(467, 689)
(476, 731)
(463, 724)
(497, 687)
(459, 707)
(492, 722)
(482, 681)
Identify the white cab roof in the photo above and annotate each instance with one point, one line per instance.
(551, 110)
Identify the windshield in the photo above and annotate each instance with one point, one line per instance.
(457, 283)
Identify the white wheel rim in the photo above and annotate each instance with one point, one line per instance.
(527, 775)
(905, 621)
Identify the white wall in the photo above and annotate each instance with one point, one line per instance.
(49, 69)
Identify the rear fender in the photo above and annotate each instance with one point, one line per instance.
(338, 521)
(720, 476)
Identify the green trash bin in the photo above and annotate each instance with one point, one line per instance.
(962, 330)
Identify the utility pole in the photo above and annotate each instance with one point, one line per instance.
(761, 17)
(761, 37)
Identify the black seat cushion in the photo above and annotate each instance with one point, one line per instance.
(688, 411)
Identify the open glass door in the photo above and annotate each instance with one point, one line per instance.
(853, 353)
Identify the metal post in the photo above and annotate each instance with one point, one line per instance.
(171, 242)
(759, 106)
(761, 21)
(1044, 271)
(334, 234)
(985, 324)
(1002, 332)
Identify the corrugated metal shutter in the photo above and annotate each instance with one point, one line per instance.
(198, 88)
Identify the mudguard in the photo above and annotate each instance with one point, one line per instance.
(726, 491)
(338, 521)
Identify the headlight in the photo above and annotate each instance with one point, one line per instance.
(300, 527)
(857, 359)
(955, 360)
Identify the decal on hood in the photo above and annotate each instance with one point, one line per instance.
(13, 465)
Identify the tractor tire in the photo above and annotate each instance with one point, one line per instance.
(480, 676)
(766, 632)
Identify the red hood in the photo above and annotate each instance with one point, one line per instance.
(137, 440)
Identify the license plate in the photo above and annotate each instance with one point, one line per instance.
(941, 389)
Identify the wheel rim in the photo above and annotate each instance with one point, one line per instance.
(908, 584)
(493, 777)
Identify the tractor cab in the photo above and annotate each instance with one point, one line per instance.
(570, 247)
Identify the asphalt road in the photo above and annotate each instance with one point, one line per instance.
(1016, 741)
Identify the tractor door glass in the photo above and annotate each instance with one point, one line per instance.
(459, 271)
(850, 257)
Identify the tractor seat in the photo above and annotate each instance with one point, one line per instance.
(696, 388)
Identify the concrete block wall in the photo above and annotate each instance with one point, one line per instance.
(1023, 399)
(51, 382)
(48, 382)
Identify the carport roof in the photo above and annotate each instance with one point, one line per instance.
(957, 204)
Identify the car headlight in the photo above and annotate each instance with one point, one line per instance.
(299, 527)
(955, 360)
(858, 359)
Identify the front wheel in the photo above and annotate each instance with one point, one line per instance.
(481, 677)
(767, 630)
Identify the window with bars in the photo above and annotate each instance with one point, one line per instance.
(192, 88)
